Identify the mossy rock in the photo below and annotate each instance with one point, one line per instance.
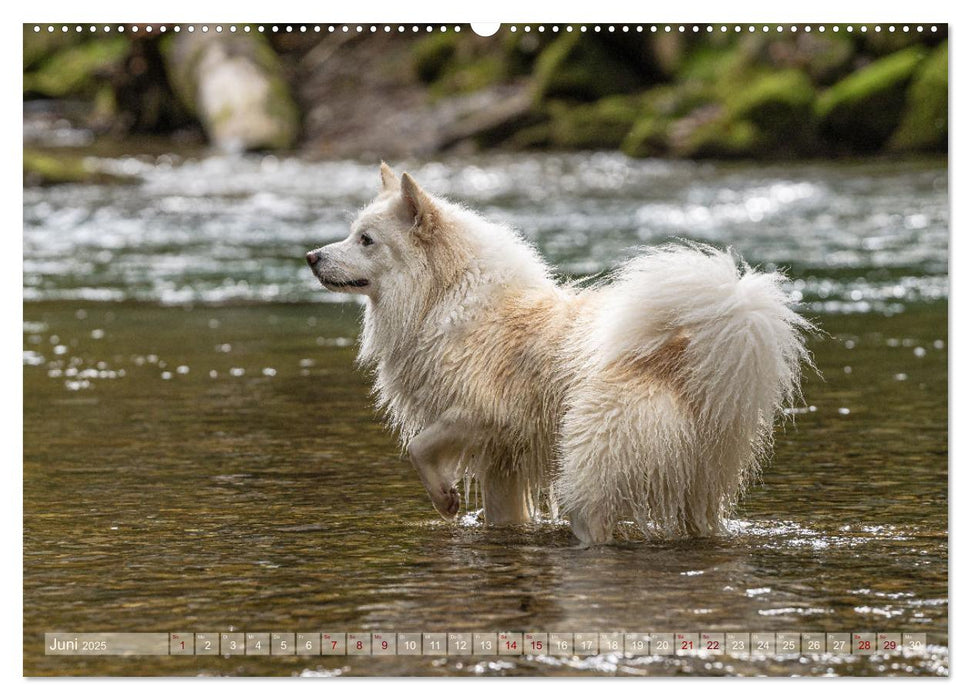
(258, 113)
(723, 139)
(676, 100)
(647, 138)
(780, 105)
(602, 124)
(42, 168)
(710, 132)
(469, 76)
(784, 96)
(535, 136)
(580, 67)
(863, 110)
(885, 43)
(825, 58)
(40, 45)
(76, 70)
(431, 56)
(714, 64)
(520, 50)
(660, 107)
(923, 126)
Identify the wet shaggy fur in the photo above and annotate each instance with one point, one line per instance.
(650, 397)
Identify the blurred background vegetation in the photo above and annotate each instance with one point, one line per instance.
(390, 95)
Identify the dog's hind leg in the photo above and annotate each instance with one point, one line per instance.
(436, 453)
(625, 450)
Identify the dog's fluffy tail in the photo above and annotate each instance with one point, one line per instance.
(739, 346)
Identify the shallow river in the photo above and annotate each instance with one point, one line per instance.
(200, 454)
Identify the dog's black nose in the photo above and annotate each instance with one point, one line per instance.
(312, 258)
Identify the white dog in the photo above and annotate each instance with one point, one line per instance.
(650, 398)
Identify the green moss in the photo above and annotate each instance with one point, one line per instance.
(281, 106)
(602, 124)
(672, 101)
(924, 122)
(863, 110)
(579, 67)
(780, 106)
(179, 70)
(431, 56)
(105, 106)
(40, 45)
(647, 138)
(712, 64)
(531, 137)
(76, 69)
(721, 138)
(520, 50)
(469, 76)
(786, 97)
(42, 168)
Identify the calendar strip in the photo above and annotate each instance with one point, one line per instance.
(748, 644)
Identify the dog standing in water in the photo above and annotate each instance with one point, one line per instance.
(651, 397)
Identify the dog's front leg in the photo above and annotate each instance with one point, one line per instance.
(436, 452)
(505, 497)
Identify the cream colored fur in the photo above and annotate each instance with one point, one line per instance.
(651, 397)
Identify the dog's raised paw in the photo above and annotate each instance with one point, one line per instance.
(447, 501)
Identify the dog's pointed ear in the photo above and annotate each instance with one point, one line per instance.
(420, 207)
(389, 181)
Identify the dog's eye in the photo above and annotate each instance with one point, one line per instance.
(366, 240)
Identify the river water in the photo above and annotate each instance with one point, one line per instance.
(200, 453)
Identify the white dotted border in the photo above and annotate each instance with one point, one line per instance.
(415, 29)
